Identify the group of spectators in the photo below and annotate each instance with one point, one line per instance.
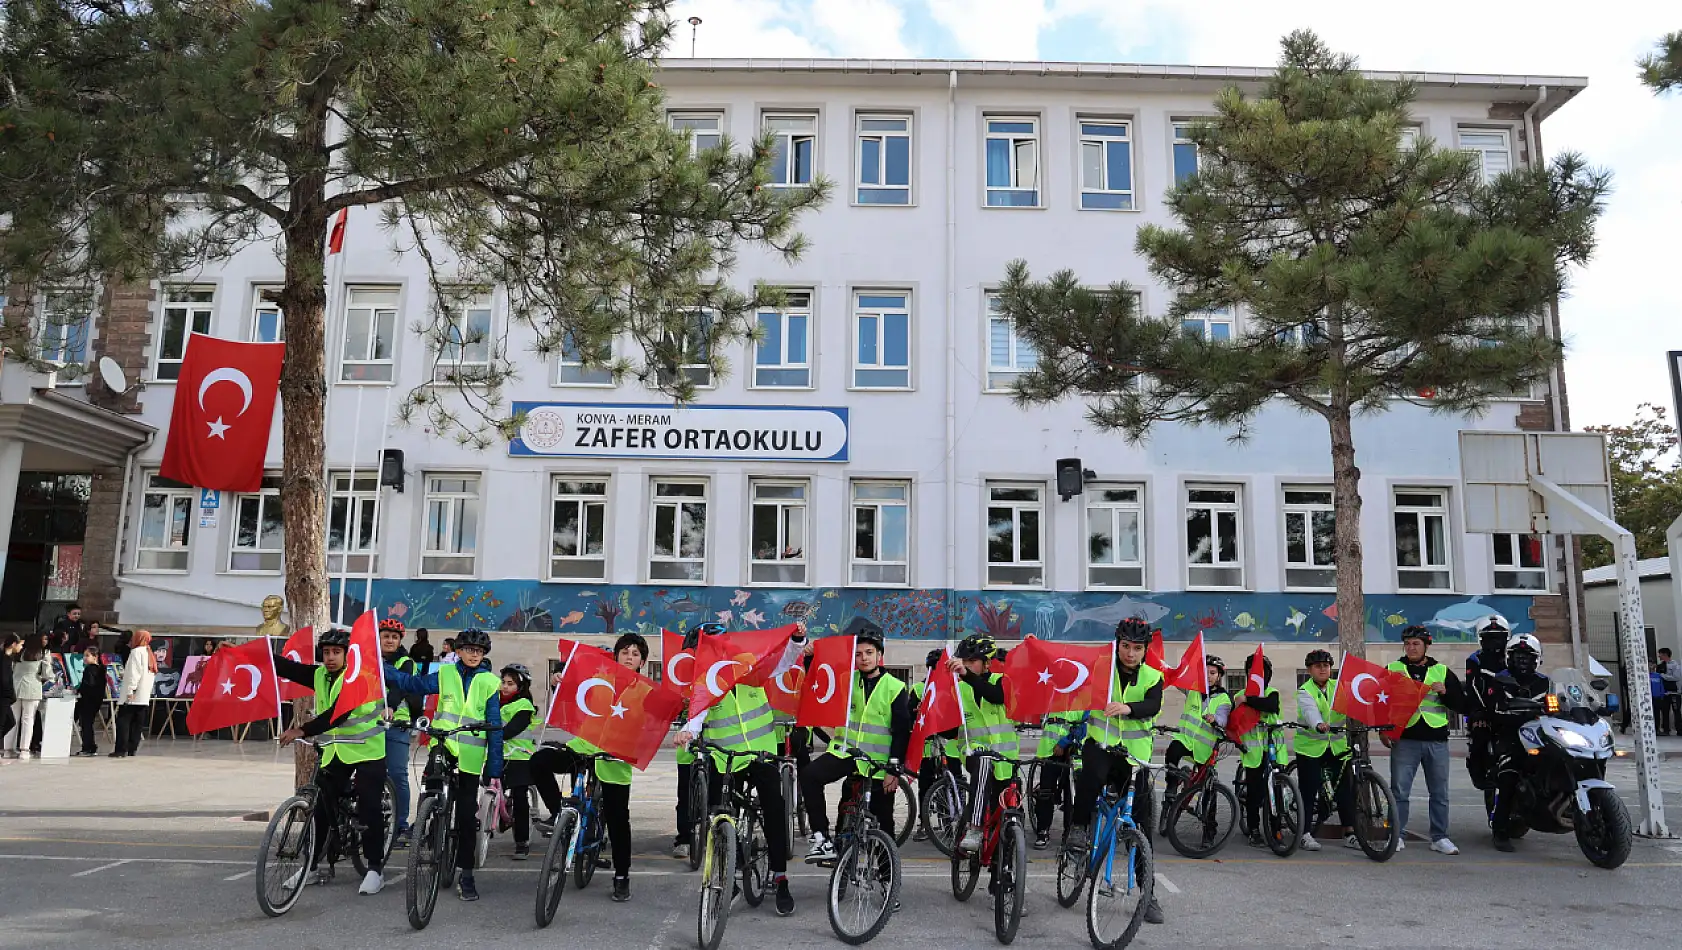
(26, 667)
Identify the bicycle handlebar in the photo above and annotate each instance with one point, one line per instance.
(426, 726)
(891, 767)
(702, 746)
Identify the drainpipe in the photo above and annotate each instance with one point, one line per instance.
(951, 463)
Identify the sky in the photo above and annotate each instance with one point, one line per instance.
(1623, 311)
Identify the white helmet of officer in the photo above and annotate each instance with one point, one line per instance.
(1524, 654)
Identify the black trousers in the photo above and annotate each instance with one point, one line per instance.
(1480, 753)
(132, 720)
(87, 719)
(824, 771)
(40, 728)
(516, 783)
(685, 831)
(1106, 767)
(467, 817)
(548, 762)
(767, 781)
(980, 777)
(1311, 777)
(1506, 750)
(367, 780)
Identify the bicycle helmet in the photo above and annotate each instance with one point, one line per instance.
(977, 646)
(522, 675)
(1416, 632)
(1215, 661)
(474, 637)
(867, 631)
(392, 624)
(1133, 630)
(1316, 656)
(692, 639)
(933, 658)
(631, 639)
(333, 637)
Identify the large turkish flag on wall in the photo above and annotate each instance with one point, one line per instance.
(224, 405)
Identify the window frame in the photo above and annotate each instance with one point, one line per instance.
(1017, 507)
(1091, 504)
(269, 490)
(1307, 510)
(707, 315)
(1014, 343)
(1178, 129)
(1483, 152)
(790, 137)
(801, 560)
(858, 314)
(366, 365)
(562, 364)
(1240, 560)
(698, 578)
(1228, 316)
(1038, 187)
(465, 301)
(806, 364)
(1497, 569)
(191, 311)
(355, 511)
(861, 135)
(876, 505)
(462, 502)
(584, 501)
(170, 493)
(65, 331)
(253, 327)
(1103, 141)
(1419, 512)
(674, 115)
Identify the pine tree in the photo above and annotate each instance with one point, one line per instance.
(1662, 69)
(1646, 483)
(1367, 273)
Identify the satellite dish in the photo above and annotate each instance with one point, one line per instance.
(112, 373)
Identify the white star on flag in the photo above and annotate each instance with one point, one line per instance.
(217, 428)
(227, 687)
(618, 710)
(1045, 676)
(1383, 697)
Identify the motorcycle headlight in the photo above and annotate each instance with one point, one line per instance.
(1572, 739)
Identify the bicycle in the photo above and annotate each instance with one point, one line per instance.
(942, 807)
(1062, 791)
(1372, 807)
(1114, 832)
(1281, 812)
(865, 876)
(283, 864)
(727, 848)
(1201, 799)
(576, 841)
(432, 848)
(1004, 851)
(698, 809)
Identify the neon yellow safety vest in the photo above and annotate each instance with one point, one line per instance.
(742, 722)
(360, 738)
(1255, 741)
(989, 728)
(870, 724)
(1431, 708)
(1194, 731)
(457, 705)
(1132, 734)
(400, 712)
(519, 748)
(611, 771)
(1055, 729)
(1310, 742)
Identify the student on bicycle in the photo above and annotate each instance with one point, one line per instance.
(1123, 727)
(629, 651)
(519, 741)
(1201, 725)
(401, 710)
(935, 758)
(1255, 749)
(741, 722)
(990, 729)
(352, 754)
(468, 691)
(1318, 754)
(1060, 735)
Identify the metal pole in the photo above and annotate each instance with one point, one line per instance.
(379, 497)
(344, 563)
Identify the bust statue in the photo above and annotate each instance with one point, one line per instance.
(272, 625)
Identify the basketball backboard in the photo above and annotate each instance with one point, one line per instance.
(1496, 467)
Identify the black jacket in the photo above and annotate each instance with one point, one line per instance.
(304, 675)
(1508, 700)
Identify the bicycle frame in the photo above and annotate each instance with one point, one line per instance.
(1009, 799)
(734, 802)
(1115, 813)
(583, 802)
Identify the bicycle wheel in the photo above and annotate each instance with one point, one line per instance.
(1121, 891)
(486, 816)
(718, 877)
(1031, 775)
(1240, 783)
(429, 854)
(349, 839)
(905, 812)
(1072, 870)
(1203, 819)
(388, 817)
(552, 877)
(1010, 879)
(1375, 817)
(966, 868)
(755, 860)
(1282, 816)
(863, 887)
(698, 811)
(284, 862)
(589, 848)
(942, 809)
(791, 800)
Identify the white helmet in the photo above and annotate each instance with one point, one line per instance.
(1525, 641)
(1492, 623)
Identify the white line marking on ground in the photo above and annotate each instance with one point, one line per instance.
(1162, 879)
(665, 928)
(102, 867)
(242, 874)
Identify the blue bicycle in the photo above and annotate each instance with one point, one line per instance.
(577, 842)
(1118, 862)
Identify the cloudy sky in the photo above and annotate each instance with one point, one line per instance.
(1624, 310)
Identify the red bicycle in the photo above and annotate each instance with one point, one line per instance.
(1004, 851)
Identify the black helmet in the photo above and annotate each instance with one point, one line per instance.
(711, 628)
(522, 675)
(1133, 630)
(867, 631)
(474, 637)
(1316, 656)
(933, 658)
(1211, 659)
(631, 639)
(977, 646)
(333, 637)
(1416, 632)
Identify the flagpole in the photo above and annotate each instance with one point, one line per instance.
(379, 494)
(335, 297)
(344, 555)
(553, 692)
(1110, 675)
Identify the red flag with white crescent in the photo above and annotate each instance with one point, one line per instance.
(827, 696)
(783, 692)
(940, 710)
(1043, 677)
(239, 685)
(1244, 718)
(1191, 675)
(224, 407)
(728, 659)
(677, 665)
(364, 676)
(299, 648)
(1376, 695)
(622, 712)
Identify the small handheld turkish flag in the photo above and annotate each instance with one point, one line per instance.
(940, 711)
(1042, 677)
(1154, 657)
(621, 712)
(224, 404)
(1244, 718)
(239, 686)
(1375, 695)
(1191, 675)
(299, 648)
(783, 692)
(364, 667)
(677, 665)
(828, 694)
(728, 659)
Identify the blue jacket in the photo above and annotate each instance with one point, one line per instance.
(426, 684)
(1657, 682)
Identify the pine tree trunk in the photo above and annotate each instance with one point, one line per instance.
(1346, 505)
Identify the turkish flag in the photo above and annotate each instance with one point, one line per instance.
(239, 686)
(940, 710)
(783, 692)
(568, 647)
(336, 237)
(364, 676)
(728, 659)
(1191, 674)
(827, 696)
(620, 711)
(1043, 677)
(299, 648)
(677, 664)
(769, 644)
(1154, 657)
(1374, 695)
(224, 403)
(1244, 718)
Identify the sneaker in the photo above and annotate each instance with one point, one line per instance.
(785, 900)
(1354, 844)
(465, 888)
(1153, 912)
(372, 882)
(1444, 846)
(1042, 841)
(681, 850)
(972, 840)
(621, 890)
(545, 825)
(1504, 845)
(603, 861)
(318, 878)
(116, 755)
(1076, 841)
(1257, 841)
(1400, 844)
(822, 848)
(522, 851)
(23, 756)
(919, 835)
(400, 840)
(1309, 844)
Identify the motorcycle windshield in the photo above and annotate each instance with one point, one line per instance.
(1571, 688)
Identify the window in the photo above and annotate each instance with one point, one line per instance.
(1015, 535)
(465, 347)
(882, 350)
(1115, 536)
(678, 548)
(1214, 536)
(1409, 139)
(1211, 324)
(1013, 162)
(1008, 356)
(267, 323)
(794, 141)
(777, 533)
(186, 311)
(64, 326)
(1422, 561)
(166, 524)
(1106, 165)
(706, 129)
(259, 537)
(1490, 147)
(451, 544)
(884, 159)
(1185, 153)
(782, 357)
(578, 529)
(370, 335)
(881, 533)
(353, 523)
(1301, 335)
(572, 369)
(694, 349)
(1310, 550)
(1518, 562)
